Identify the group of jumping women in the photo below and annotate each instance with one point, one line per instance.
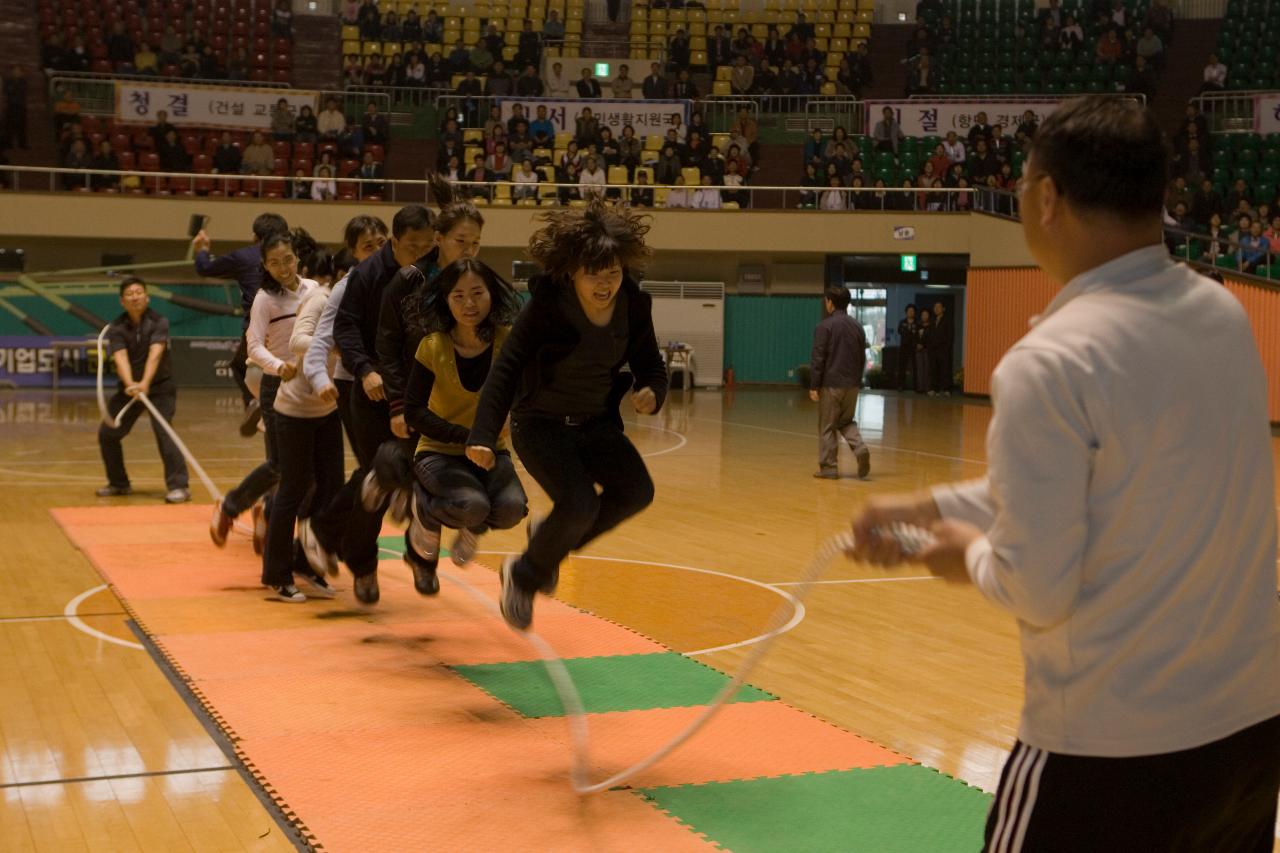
(435, 368)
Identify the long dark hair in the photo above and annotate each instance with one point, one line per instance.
(280, 238)
(431, 313)
(590, 238)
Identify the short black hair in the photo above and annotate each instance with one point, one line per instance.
(130, 281)
(411, 217)
(360, 225)
(839, 296)
(1104, 155)
(267, 224)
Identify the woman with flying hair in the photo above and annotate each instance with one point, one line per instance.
(464, 318)
(561, 377)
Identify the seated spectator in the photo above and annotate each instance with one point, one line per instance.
(694, 152)
(553, 29)
(411, 27)
(53, 54)
(669, 165)
(76, 57)
(1150, 48)
(570, 164)
(623, 86)
(815, 148)
(833, 198)
(433, 29)
(498, 163)
(684, 88)
(65, 110)
(1142, 79)
(105, 161)
(526, 181)
(120, 48)
(190, 61)
(1253, 247)
(743, 77)
(655, 86)
(370, 170)
(678, 50)
(438, 72)
(542, 131)
(586, 128)
(920, 80)
(479, 58)
(588, 86)
(1026, 127)
(982, 163)
(226, 157)
(499, 82)
(173, 156)
(396, 74)
(735, 153)
(369, 21)
(1215, 75)
(607, 148)
(940, 160)
(162, 126)
(493, 40)
(145, 60)
(903, 200)
(1110, 49)
(557, 85)
(529, 48)
(77, 157)
(1071, 36)
(887, 133)
(326, 188)
(375, 128)
(282, 21)
(843, 163)
(642, 194)
(495, 136)
(332, 120)
(306, 128)
(479, 175)
(391, 28)
(299, 186)
(326, 160)
(811, 179)
(459, 59)
(630, 148)
(453, 170)
(353, 70)
(529, 85)
(592, 179)
(715, 165)
(282, 120)
(415, 72)
(678, 197)
(1273, 234)
(257, 157)
(1001, 146)
(733, 180)
(1206, 202)
(1191, 163)
(375, 73)
(706, 197)
(519, 145)
(1220, 242)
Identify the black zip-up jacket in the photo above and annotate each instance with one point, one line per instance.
(396, 343)
(355, 326)
(943, 334)
(542, 336)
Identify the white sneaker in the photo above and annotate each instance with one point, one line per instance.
(515, 604)
(319, 588)
(371, 493)
(399, 507)
(321, 561)
(463, 549)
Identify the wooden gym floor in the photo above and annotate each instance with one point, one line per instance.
(99, 750)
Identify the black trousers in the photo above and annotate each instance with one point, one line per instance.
(568, 462)
(310, 475)
(344, 387)
(1216, 797)
(166, 402)
(263, 478)
(940, 370)
(460, 495)
(906, 364)
(240, 367)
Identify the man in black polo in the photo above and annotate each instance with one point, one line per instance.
(245, 266)
(138, 342)
(835, 375)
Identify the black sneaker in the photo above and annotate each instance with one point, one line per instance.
(319, 586)
(252, 414)
(864, 463)
(289, 593)
(110, 491)
(425, 579)
(366, 588)
(515, 604)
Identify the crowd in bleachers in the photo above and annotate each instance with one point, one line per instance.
(265, 163)
(206, 39)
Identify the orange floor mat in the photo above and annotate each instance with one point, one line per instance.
(353, 721)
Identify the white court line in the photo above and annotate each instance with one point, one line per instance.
(861, 580)
(881, 445)
(76, 622)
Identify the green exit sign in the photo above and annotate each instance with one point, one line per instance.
(602, 69)
(908, 263)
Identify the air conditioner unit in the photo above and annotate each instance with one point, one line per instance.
(692, 312)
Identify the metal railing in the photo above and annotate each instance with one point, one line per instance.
(827, 113)
(1229, 111)
(273, 187)
(402, 97)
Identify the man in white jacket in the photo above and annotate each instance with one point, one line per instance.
(1127, 521)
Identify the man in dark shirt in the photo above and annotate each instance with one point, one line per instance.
(529, 84)
(138, 341)
(588, 86)
(654, 87)
(835, 375)
(374, 125)
(245, 266)
(355, 329)
(908, 335)
(940, 345)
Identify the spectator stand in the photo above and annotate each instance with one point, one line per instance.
(1249, 44)
(1234, 111)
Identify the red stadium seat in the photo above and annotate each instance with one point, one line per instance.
(280, 166)
(282, 148)
(376, 150)
(126, 160)
(281, 75)
(347, 168)
(150, 162)
(303, 163)
(202, 163)
(303, 149)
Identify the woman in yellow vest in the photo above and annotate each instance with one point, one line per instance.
(465, 319)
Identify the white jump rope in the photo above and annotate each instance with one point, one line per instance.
(911, 540)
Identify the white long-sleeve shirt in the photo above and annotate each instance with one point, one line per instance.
(271, 324)
(299, 398)
(315, 364)
(1129, 511)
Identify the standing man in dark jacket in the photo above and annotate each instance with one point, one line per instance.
(940, 346)
(908, 335)
(245, 266)
(355, 328)
(835, 375)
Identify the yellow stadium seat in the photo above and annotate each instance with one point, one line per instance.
(470, 37)
(509, 54)
(372, 48)
(653, 142)
(469, 153)
(617, 174)
(350, 33)
(842, 30)
(527, 202)
(724, 74)
(542, 153)
(865, 16)
(760, 31)
(563, 138)
(453, 23)
(845, 16)
(502, 191)
(828, 89)
(350, 47)
(730, 205)
(657, 28)
(698, 59)
(697, 43)
(716, 17)
(839, 45)
(647, 171)
(862, 31)
(721, 88)
(573, 15)
(639, 28)
(821, 44)
(697, 29)
(473, 136)
(833, 59)
(639, 13)
(571, 51)
(721, 141)
(822, 31)
(390, 48)
(573, 25)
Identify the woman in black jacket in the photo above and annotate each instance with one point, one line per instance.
(561, 377)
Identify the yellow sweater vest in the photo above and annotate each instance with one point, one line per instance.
(449, 400)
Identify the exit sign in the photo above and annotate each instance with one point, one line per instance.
(602, 69)
(908, 263)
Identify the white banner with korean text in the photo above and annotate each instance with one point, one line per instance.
(937, 118)
(1266, 113)
(193, 105)
(649, 118)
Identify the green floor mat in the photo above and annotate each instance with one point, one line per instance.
(613, 683)
(901, 809)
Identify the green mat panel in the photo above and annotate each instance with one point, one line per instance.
(395, 545)
(900, 809)
(611, 683)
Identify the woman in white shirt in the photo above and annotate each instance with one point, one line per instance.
(678, 196)
(417, 71)
(706, 197)
(325, 189)
(833, 199)
(1215, 74)
(526, 180)
(592, 178)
